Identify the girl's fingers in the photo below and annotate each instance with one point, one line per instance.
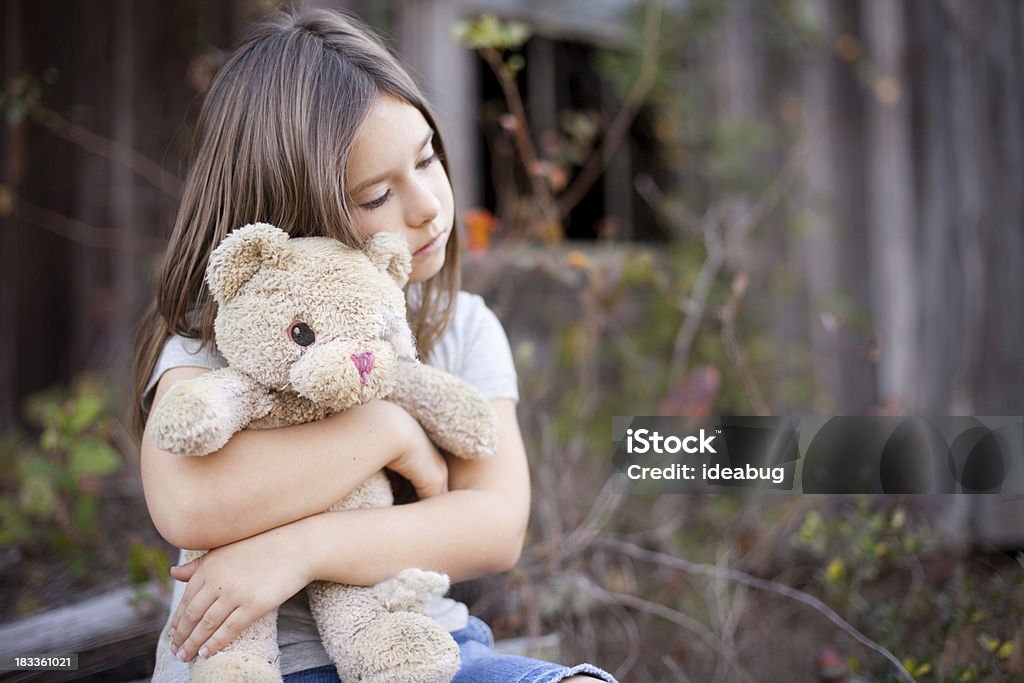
(233, 625)
(184, 572)
(209, 623)
(190, 611)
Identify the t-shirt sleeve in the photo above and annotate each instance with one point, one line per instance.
(486, 358)
(180, 352)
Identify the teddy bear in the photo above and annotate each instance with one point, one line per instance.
(310, 327)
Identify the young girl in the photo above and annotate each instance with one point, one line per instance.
(313, 126)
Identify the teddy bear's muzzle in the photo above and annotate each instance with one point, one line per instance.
(341, 373)
(364, 364)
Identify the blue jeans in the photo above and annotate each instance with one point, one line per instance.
(481, 664)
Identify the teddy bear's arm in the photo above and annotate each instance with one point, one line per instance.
(198, 416)
(453, 413)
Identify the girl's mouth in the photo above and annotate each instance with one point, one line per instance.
(431, 246)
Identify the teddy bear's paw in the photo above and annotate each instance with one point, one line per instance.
(412, 589)
(234, 667)
(404, 647)
(476, 434)
(187, 422)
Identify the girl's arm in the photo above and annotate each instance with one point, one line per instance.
(263, 479)
(476, 529)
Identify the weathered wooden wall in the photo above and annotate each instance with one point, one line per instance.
(915, 203)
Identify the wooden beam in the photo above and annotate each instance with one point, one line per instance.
(106, 632)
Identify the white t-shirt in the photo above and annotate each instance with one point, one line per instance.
(475, 348)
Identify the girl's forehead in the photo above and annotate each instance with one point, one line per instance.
(392, 133)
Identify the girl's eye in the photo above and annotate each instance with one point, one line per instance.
(302, 334)
(428, 161)
(376, 203)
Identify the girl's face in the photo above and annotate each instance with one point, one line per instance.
(398, 184)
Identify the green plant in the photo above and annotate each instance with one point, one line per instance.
(51, 482)
(886, 570)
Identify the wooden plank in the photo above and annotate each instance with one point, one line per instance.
(105, 632)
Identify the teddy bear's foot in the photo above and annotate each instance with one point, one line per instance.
(234, 667)
(401, 648)
(412, 589)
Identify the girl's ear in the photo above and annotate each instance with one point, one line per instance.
(243, 252)
(390, 254)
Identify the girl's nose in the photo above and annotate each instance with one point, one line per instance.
(425, 205)
(364, 364)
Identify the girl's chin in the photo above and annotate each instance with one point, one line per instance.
(424, 269)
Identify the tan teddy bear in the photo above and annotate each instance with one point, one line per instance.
(310, 327)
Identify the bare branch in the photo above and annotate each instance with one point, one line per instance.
(663, 611)
(599, 160)
(79, 232)
(742, 577)
(140, 164)
(694, 305)
(770, 198)
(686, 222)
(732, 345)
(521, 137)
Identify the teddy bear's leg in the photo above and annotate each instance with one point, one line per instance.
(252, 656)
(369, 643)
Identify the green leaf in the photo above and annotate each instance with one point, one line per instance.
(86, 410)
(38, 497)
(515, 63)
(35, 466)
(15, 527)
(988, 642)
(487, 31)
(84, 514)
(93, 456)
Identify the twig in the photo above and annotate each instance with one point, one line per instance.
(663, 611)
(716, 234)
(521, 136)
(633, 632)
(117, 152)
(79, 232)
(727, 611)
(770, 198)
(603, 509)
(676, 670)
(732, 345)
(694, 305)
(600, 159)
(772, 586)
(676, 212)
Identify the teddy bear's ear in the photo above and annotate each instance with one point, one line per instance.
(243, 252)
(390, 254)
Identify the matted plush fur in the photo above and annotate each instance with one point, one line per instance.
(310, 327)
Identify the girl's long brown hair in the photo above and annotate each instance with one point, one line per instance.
(272, 144)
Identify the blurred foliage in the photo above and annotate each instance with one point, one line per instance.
(51, 484)
(601, 342)
(24, 93)
(487, 31)
(949, 622)
(54, 485)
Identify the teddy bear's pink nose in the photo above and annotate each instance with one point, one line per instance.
(364, 364)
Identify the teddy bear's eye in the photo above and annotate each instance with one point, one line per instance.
(302, 334)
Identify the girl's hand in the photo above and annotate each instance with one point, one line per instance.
(231, 587)
(421, 463)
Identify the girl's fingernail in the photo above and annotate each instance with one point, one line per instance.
(181, 655)
(174, 649)
(170, 634)
(204, 652)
